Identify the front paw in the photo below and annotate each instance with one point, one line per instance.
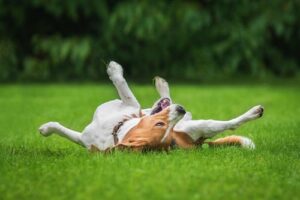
(255, 112)
(162, 87)
(48, 128)
(114, 70)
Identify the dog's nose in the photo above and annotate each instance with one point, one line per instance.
(180, 110)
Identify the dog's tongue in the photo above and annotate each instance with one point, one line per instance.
(162, 104)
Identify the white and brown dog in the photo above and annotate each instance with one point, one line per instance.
(123, 124)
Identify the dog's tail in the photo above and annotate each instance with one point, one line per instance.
(233, 140)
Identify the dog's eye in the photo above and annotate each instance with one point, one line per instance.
(159, 124)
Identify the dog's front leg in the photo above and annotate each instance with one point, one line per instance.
(162, 87)
(209, 128)
(115, 72)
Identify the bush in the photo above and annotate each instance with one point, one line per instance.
(194, 40)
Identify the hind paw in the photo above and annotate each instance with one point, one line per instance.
(255, 112)
(114, 70)
(48, 128)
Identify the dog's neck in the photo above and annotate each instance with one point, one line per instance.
(126, 127)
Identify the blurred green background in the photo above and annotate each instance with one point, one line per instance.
(42, 41)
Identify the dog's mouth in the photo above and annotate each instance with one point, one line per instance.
(162, 104)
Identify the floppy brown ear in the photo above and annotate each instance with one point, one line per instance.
(133, 143)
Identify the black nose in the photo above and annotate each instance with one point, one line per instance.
(180, 110)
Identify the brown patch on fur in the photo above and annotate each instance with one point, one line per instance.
(146, 135)
(182, 140)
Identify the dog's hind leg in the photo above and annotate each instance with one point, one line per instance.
(54, 127)
(115, 72)
(209, 128)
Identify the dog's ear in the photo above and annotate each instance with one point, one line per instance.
(136, 144)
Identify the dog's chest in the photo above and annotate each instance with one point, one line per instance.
(106, 118)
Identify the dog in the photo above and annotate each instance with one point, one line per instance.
(122, 124)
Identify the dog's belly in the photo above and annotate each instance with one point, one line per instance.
(107, 116)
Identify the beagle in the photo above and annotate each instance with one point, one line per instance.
(122, 124)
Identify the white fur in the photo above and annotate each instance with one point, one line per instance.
(247, 143)
(209, 128)
(128, 125)
(162, 87)
(108, 115)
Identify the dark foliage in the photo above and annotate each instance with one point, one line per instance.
(195, 40)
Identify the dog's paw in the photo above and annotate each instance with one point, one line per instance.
(114, 70)
(255, 112)
(48, 128)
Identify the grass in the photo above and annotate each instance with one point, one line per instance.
(34, 167)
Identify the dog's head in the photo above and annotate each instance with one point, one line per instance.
(153, 131)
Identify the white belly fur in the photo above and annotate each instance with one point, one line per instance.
(106, 117)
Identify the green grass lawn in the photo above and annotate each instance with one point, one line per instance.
(34, 167)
